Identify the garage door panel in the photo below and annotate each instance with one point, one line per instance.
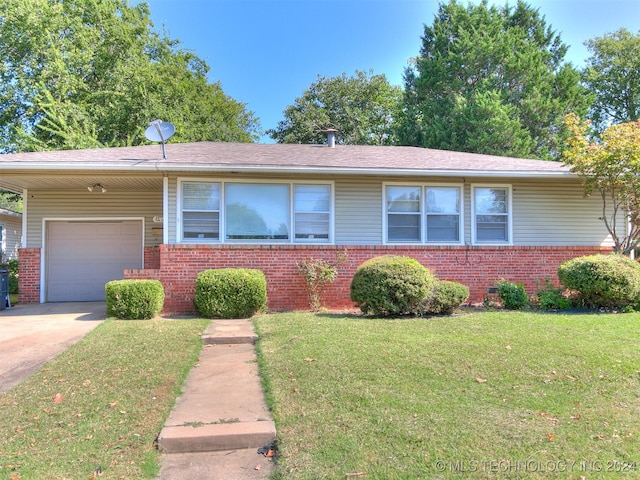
(83, 256)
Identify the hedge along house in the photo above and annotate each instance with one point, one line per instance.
(96, 215)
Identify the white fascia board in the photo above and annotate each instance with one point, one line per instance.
(164, 168)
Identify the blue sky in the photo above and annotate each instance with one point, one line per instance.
(265, 53)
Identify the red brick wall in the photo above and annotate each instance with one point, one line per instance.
(151, 257)
(476, 267)
(29, 275)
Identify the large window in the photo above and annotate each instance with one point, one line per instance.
(491, 215)
(417, 213)
(256, 212)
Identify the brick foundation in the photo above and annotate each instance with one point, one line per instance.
(177, 266)
(476, 267)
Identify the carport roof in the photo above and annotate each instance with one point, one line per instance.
(276, 158)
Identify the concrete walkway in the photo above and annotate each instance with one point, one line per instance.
(218, 423)
(221, 420)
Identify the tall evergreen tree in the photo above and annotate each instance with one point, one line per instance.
(490, 80)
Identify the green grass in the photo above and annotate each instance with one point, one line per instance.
(484, 395)
(101, 404)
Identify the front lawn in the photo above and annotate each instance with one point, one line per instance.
(484, 395)
(97, 408)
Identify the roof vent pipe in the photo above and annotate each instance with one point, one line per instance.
(331, 137)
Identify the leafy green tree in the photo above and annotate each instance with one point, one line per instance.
(490, 80)
(10, 201)
(362, 108)
(612, 73)
(91, 73)
(610, 167)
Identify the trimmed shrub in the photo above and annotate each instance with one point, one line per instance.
(134, 299)
(230, 293)
(391, 285)
(551, 297)
(603, 280)
(447, 297)
(512, 295)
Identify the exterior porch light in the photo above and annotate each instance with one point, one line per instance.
(97, 186)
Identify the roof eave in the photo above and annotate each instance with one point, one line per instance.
(163, 167)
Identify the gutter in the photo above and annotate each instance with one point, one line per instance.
(156, 167)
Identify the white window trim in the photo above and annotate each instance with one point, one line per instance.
(509, 189)
(245, 181)
(423, 231)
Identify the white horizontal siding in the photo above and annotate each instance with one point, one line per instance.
(11, 235)
(545, 212)
(555, 215)
(358, 217)
(93, 205)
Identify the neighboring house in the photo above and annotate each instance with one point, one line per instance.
(10, 233)
(469, 218)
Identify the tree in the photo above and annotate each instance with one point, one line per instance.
(362, 108)
(10, 201)
(613, 74)
(611, 167)
(490, 80)
(92, 73)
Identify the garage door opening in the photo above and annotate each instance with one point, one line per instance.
(81, 256)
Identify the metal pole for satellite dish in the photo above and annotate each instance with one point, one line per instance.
(157, 125)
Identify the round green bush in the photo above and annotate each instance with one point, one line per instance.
(391, 285)
(134, 299)
(603, 280)
(512, 295)
(447, 297)
(230, 293)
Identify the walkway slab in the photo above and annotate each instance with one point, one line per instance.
(211, 438)
(230, 332)
(222, 407)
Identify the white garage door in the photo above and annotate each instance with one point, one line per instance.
(82, 256)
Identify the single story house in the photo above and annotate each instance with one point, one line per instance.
(101, 214)
(10, 233)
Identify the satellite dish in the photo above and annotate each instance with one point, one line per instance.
(159, 131)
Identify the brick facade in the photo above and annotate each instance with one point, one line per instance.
(177, 266)
(29, 275)
(476, 267)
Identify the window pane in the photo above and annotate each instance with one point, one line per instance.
(257, 212)
(312, 206)
(403, 228)
(444, 228)
(491, 200)
(201, 225)
(200, 196)
(443, 200)
(403, 199)
(491, 228)
(312, 226)
(311, 198)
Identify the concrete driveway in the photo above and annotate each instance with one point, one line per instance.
(31, 335)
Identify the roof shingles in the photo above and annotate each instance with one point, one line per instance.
(272, 157)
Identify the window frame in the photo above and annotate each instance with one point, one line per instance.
(224, 182)
(424, 187)
(509, 214)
